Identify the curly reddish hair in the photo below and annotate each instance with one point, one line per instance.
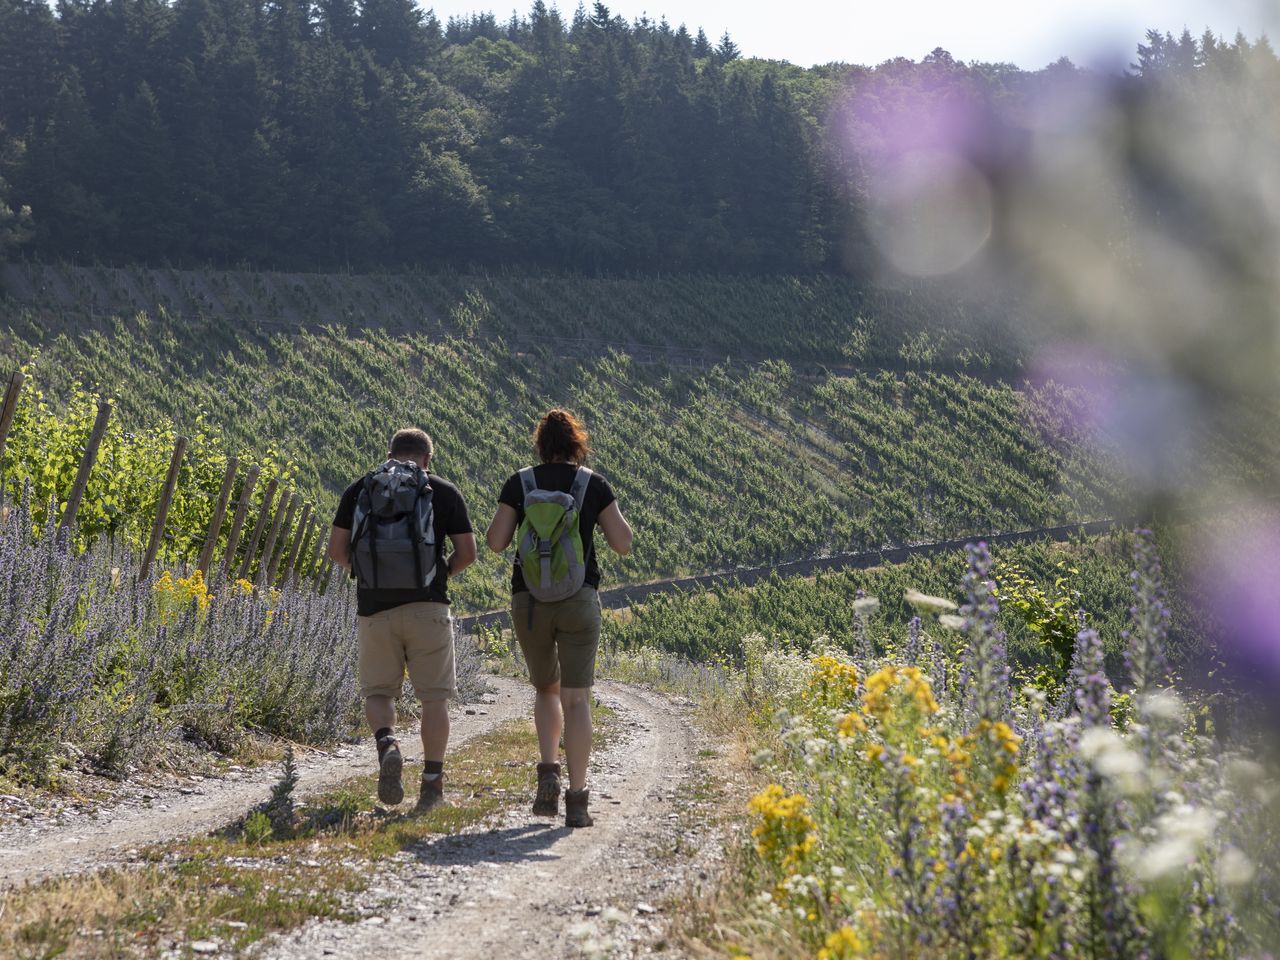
(559, 435)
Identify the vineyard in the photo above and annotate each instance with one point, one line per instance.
(828, 321)
(811, 462)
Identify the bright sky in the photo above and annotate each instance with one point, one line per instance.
(1030, 33)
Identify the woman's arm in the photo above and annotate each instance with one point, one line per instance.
(617, 532)
(502, 529)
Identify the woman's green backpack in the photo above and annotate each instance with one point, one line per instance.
(549, 542)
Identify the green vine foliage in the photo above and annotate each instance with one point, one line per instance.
(1051, 614)
(47, 443)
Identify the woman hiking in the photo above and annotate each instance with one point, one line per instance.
(553, 509)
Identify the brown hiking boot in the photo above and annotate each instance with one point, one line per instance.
(431, 793)
(390, 764)
(547, 801)
(575, 808)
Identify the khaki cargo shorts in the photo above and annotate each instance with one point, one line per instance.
(561, 643)
(418, 636)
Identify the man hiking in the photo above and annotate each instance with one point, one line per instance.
(389, 533)
(553, 510)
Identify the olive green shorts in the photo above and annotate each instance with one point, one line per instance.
(561, 642)
(417, 637)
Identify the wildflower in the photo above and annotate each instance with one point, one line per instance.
(911, 653)
(832, 683)
(843, 944)
(786, 834)
(1149, 616)
(985, 661)
(953, 622)
(1163, 706)
(850, 724)
(1089, 680)
(1234, 868)
(865, 606)
(927, 604)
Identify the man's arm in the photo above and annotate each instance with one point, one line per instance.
(340, 547)
(464, 552)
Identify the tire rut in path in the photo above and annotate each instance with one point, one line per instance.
(86, 842)
(523, 886)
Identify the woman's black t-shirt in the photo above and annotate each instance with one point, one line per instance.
(559, 476)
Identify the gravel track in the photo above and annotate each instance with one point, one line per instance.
(36, 850)
(525, 886)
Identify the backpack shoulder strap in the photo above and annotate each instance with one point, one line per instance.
(527, 481)
(578, 491)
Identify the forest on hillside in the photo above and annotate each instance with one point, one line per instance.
(335, 134)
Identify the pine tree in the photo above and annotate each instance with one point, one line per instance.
(701, 45)
(727, 50)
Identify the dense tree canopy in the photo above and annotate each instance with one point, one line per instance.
(334, 133)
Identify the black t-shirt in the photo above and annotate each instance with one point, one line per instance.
(559, 476)
(450, 518)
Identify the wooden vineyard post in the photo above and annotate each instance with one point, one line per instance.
(317, 555)
(237, 521)
(9, 409)
(86, 466)
(162, 509)
(219, 514)
(301, 533)
(263, 512)
(266, 568)
(285, 547)
(6, 420)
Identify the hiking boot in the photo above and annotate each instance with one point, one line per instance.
(547, 801)
(430, 793)
(390, 765)
(575, 808)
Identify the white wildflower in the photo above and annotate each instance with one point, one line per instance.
(865, 606)
(952, 622)
(1096, 741)
(1244, 772)
(1194, 824)
(1163, 705)
(1234, 868)
(927, 604)
(1165, 859)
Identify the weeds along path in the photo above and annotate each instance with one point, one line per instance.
(524, 886)
(81, 842)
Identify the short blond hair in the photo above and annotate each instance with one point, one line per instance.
(410, 444)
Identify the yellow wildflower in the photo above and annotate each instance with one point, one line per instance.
(843, 944)
(832, 682)
(850, 724)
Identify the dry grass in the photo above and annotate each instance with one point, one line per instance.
(228, 889)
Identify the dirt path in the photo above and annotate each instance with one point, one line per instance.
(526, 886)
(74, 843)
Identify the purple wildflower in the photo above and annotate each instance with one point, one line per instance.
(1149, 614)
(986, 676)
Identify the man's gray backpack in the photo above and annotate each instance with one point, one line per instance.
(393, 540)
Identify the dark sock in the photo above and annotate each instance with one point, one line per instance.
(549, 768)
(382, 743)
(431, 768)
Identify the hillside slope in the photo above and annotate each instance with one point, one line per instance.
(719, 465)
